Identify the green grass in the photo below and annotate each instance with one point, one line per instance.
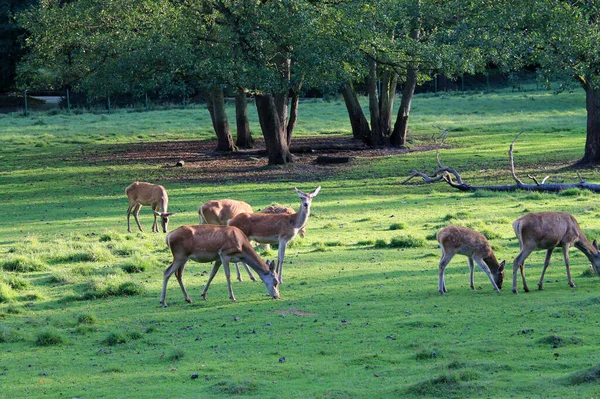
(360, 315)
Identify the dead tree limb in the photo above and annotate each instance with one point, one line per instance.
(446, 173)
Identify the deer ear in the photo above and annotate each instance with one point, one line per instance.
(595, 244)
(502, 264)
(271, 265)
(314, 193)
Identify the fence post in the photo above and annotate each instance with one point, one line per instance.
(68, 102)
(25, 99)
(108, 103)
(146, 102)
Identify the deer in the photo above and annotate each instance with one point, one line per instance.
(548, 230)
(278, 228)
(139, 194)
(219, 212)
(220, 244)
(464, 241)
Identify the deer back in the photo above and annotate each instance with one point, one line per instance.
(265, 226)
(221, 211)
(464, 241)
(148, 194)
(544, 230)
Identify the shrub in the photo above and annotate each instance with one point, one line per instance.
(49, 338)
(380, 244)
(585, 376)
(235, 388)
(98, 288)
(115, 339)
(570, 192)
(398, 226)
(86, 318)
(407, 242)
(23, 264)
(15, 282)
(176, 354)
(7, 294)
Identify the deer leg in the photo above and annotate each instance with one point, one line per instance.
(471, 272)
(173, 268)
(566, 256)
(228, 277)
(237, 269)
(179, 276)
(249, 272)
(441, 279)
(213, 272)
(129, 209)
(136, 213)
(280, 255)
(155, 224)
(519, 263)
(487, 271)
(546, 264)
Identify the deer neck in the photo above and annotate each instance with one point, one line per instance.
(302, 217)
(585, 246)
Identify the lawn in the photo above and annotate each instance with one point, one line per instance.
(359, 314)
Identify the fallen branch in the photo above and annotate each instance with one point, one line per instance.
(446, 173)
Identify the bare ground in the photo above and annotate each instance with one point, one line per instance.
(202, 163)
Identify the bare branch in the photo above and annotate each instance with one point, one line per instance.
(512, 160)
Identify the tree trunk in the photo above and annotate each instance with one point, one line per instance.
(376, 138)
(398, 137)
(592, 141)
(360, 125)
(216, 108)
(274, 132)
(293, 116)
(244, 136)
(386, 102)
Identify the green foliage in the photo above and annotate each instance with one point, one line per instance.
(398, 226)
(243, 387)
(407, 241)
(23, 264)
(49, 337)
(87, 318)
(590, 375)
(7, 294)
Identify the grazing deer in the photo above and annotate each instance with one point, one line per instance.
(548, 230)
(278, 228)
(219, 212)
(148, 194)
(221, 244)
(463, 241)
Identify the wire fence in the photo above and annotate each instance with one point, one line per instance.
(64, 100)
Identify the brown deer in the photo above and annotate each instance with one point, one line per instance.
(464, 241)
(278, 228)
(219, 212)
(148, 194)
(283, 209)
(548, 230)
(221, 244)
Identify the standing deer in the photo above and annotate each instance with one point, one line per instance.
(221, 244)
(463, 241)
(548, 230)
(278, 228)
(219, 212)
(148, 194)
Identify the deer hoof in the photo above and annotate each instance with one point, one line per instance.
(188, 300)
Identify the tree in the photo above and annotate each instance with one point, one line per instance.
(402, 43)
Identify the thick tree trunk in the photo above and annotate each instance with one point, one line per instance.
(398, 137)
(274, 132)
(358, 121)
(376, 137)
(386, 101)
(244, 136)
(592, 141)
(216, 108)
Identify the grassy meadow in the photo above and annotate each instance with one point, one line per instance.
(360, 315)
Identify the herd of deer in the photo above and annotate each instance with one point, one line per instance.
(227, 226)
